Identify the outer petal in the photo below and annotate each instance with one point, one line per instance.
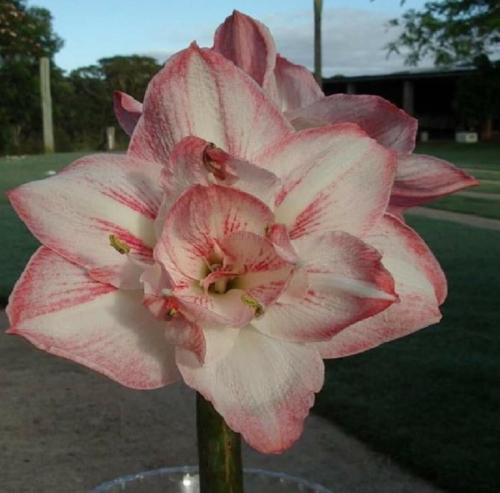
(420, 284)
(201, 93)
(262, 387)
(127, 111)
(346, 283)
(76, 211)
(57, 307)
(187, 335)
(334, 178)
(248, 44)
(202, 215)
(296, 86)
(193, 161)
(386, 123)
(420, 179)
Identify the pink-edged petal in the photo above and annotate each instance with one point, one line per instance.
(248, 44)
(76, 211)
(60, 309)
(295, 85)
(420, 284)
(380, 119)
(262, 273)
(195, 161)
(421, 178)
(180, 332)
(262, 387)
(346, 282)
(127, 111)
(334, 178)
(202, 215)
(201, 93)
(278, 235)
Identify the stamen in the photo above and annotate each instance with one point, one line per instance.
(119, 245)
(252, 303)
(171, 313)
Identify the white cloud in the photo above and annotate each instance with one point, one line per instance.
(354, 41)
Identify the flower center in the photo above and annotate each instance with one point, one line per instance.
(220, 276)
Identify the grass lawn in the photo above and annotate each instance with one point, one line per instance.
(486, 175)
(483, 155)
(431, 401)
(488, 187)
(17, 242)
(468, 205)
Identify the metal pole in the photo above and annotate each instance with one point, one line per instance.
(318, 9)
(48, 130)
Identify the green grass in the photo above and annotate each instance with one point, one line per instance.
(486, 175)
(485, 155)
(486, 188)
(431, 401)
(17, 242)
(468, 205)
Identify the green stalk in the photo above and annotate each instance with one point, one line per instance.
(219, 451)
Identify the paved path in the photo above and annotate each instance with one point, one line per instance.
(64, 429)
(456, 217)
(480, 195)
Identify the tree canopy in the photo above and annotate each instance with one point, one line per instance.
(26, 32)
(82, 100)
(452, 31)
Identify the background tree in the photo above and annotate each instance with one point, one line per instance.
(86, 104)
(130, 74)
(459, 31)
(452, 31)
(25, 35)
(478, 96)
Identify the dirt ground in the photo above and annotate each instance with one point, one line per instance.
(64, 429)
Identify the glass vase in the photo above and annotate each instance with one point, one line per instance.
(184, 479)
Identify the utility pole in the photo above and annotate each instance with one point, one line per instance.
(318, 10)
(48, 130)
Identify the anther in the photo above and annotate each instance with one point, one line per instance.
(119, 245)
(252, 303)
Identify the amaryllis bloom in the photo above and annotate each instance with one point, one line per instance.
(249, 44)
(226, 249)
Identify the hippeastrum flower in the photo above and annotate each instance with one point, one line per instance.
(225, 248)
(419, 179)
(249, 44)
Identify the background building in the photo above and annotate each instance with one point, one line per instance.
(428, 94)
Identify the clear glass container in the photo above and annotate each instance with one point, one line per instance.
(184, 479)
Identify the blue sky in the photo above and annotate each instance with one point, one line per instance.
(354, 32)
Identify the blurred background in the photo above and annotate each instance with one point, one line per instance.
(428, 403)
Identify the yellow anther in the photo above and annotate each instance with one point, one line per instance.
(171, 313)
(252, 303)
(119, 245)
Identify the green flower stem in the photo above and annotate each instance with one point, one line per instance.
(219, 451)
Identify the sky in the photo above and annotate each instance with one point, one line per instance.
(354, 31)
